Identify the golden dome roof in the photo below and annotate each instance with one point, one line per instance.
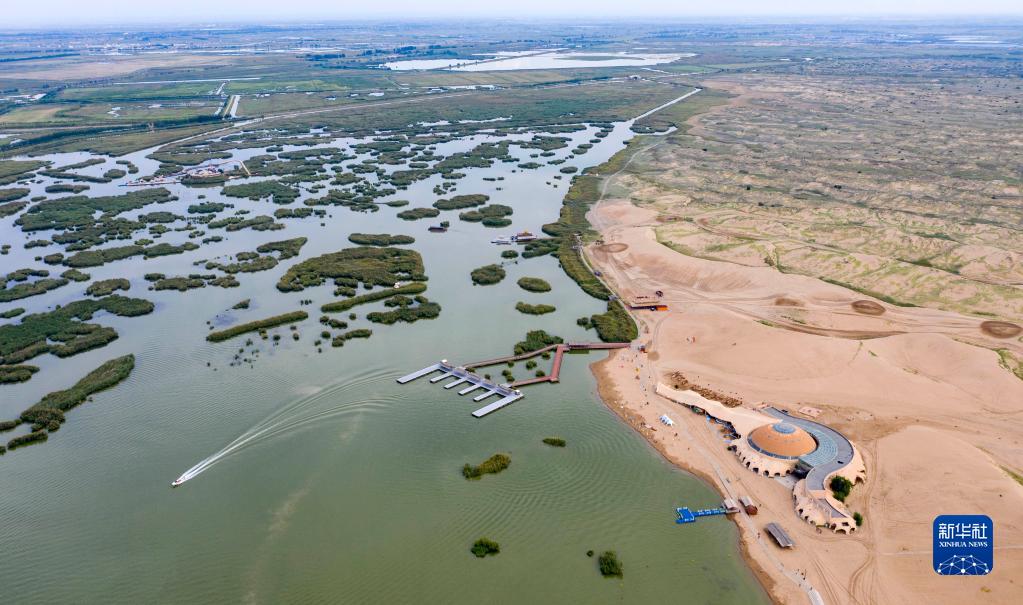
(782, 440)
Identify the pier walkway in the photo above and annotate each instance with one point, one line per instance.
(509, 393)
(461, 376)
(689, 516)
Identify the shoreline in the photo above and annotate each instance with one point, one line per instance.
(737, 356)
(607, 392)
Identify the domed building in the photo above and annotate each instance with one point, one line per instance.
(774, 449)
(771, 442)
(782, 440)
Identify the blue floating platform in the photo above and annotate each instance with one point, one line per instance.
(688, 516)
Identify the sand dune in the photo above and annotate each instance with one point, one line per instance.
(920, 391)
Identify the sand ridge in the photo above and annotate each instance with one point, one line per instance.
(914, 388)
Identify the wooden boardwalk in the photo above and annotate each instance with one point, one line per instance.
(559, 354)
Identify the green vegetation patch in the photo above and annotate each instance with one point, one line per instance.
(49, 412)
(11, 208)
(554, 441)
(491, 216)
(18, 169)
(206, 208)
(344, 305)
(840, 487)
(339, 341)
(417, 213)
(610, 566)
(529, 309)
(179, 283)
(288, 248)
(485, 546)
(536, 340)
(76, 275)
(18, 373)
(487, 275)
(368, 265)
(255, 326)
(380, 239)
(62, 331)
(9, 195)
(278, 192)
(66, 188)
(492, 465)
(572, 263)
(406, 312)
(534, 284)
(33, 437)
(251, 262)
(79, 211)
(24, 288)
(95, 258)
(616, 325)
(459, 202)
(106, 287)
(1010, 362)
(9, 313)
(237, 223)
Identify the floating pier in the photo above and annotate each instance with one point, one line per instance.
(689, 516)
(509, 393)
(461, 376)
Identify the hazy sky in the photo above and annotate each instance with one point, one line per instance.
(64, 12)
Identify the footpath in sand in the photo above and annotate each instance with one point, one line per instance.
(920, 392)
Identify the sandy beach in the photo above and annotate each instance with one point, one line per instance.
(920, 392)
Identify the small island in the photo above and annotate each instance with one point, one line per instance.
(534, 284)
(485, 546)
(492, 465)
(528, 309)
(610, 566)
(487, 275)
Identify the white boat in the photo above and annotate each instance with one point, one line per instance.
(501, 240)
(525, 236)
(178, 481)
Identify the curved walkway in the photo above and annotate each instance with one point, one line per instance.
(833, 451)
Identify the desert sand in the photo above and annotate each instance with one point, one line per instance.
(919, 391)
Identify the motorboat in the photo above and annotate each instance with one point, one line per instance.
(501, 240)
(178, 481)
(523, 237)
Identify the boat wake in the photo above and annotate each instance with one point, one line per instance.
(296, 415)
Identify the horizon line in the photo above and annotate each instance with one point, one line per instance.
(740, 18)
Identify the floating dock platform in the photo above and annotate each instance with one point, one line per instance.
(689, 516)
(508, 395)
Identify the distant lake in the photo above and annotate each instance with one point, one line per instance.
(543, 60)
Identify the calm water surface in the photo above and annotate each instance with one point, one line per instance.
(356, 495)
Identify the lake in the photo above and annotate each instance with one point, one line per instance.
(354, 493)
